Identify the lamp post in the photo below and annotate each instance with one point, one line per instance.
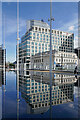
(41, 61)
(78, 58)
(4, 56)
(18, 35)
(4, 70)
(18, 59)
(51, 19)
(61, 62)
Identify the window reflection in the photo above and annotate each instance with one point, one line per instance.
(35, 89)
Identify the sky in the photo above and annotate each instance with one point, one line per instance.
(64, 13)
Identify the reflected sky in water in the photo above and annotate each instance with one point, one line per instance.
(34, 95)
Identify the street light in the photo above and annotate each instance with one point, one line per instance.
(18, 59)
(4, 53)
(51, 19)
(18, 35)
(61, 62)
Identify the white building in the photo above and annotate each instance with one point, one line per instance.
(37, 40)
(60, 60)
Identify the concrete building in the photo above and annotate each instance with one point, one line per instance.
(37, 40)
(2, 56)
(57, 79)
(1, 61)
(60, 60)
(77, 51)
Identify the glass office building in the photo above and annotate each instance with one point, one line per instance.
(2, 56)
(37, 40)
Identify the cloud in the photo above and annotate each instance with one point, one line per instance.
(11, 25)
(11, 35)
(71, 28)
(11, 58)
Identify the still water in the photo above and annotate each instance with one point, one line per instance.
(27, 95)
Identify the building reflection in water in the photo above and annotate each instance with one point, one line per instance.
(77, 92)
(0, 94)
(18, 98)
(2, 82)
(78, 97)
(35, 89)
(2, 78)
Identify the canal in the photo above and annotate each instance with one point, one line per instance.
(27, 95)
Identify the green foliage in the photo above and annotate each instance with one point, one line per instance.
(11, 65)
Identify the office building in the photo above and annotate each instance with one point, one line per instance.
(77, 51)
(1, 62)
(60, 61)
(2, 56)
(37, 40)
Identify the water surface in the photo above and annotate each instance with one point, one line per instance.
(28, 96)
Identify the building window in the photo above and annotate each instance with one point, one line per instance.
(39, 29)
(56, 60)
(57, 32)
(35, 28)
(37, 34)
(45, 30)
(59, 60)
(35, 43)
(42, 29)
(33, 37)
(28, 54)
(34, 34)
(60, 32)
(41, 35)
